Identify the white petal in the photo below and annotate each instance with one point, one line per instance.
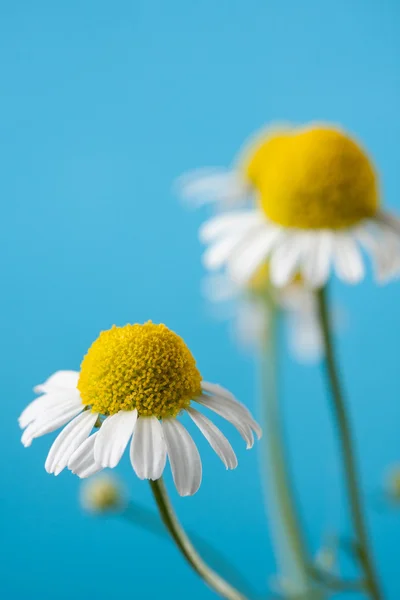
(347, 258)
(60, 380)
(50, 420)
(229, 223)
(203, 186)
(251, 323)
(382, 243)
(70, 438)
(232, 402)
(218, 390)
(249, 257)
(391, 221)
(148, 449)
(113, 437)
(218, 253)
(305, 338)
(317, 258)
(183, 456)
(235, 415)
(215, 438)
(37, 408)
(286, 258)
(82, 461)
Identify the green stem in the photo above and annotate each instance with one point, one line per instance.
(146, 519)
(336, 584)
(292, 554)
(170, 520)
(345, 439)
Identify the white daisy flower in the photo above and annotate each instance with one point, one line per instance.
(251, 315)
(133, 384)
(318, 208)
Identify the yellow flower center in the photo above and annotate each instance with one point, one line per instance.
(316, 177)
(147, 367)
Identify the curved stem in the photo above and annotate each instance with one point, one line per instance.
(150, 521)
(345, 439)
(170, 520)
(285, 523)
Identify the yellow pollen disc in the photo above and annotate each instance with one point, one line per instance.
(316, 177)
(147, 367)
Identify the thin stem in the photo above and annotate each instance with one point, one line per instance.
(285, 523)
(346, 444)
(334, 583)
(170, 520)
(150, 521)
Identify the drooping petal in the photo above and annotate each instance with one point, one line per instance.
(305, 338)
(183, 456)
(70, 438)
(391, 221)
(82, 461)
(50, 420)
(232, 413)
(224, 224)
(148, 449)
(60, 380)
(217, 390)
(218, 253)
(215, 438)
(40, 406)
(286, 258)
(113, 437)
(317, 258)
(251, 323)
(253, 252)
(203, 186)
(382, 242)
(347, 259)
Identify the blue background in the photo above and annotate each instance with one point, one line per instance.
(103, 105)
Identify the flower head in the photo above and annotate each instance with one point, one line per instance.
(134, 383)
(144, 367)
(249, 308)
(102, 494)
(313, 178)
(317, 205)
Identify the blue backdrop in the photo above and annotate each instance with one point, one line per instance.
(103, 105)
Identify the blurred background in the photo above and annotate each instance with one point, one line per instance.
(103, 106)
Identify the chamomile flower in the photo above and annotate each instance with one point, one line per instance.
(317, 207)
(133, 384)
(392, 484)
(102, 494)
(250, 314)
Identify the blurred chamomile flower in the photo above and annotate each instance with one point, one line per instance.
(317, 208)
(250, 312)
(133, 384)
(392, 484)
(102, 493)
